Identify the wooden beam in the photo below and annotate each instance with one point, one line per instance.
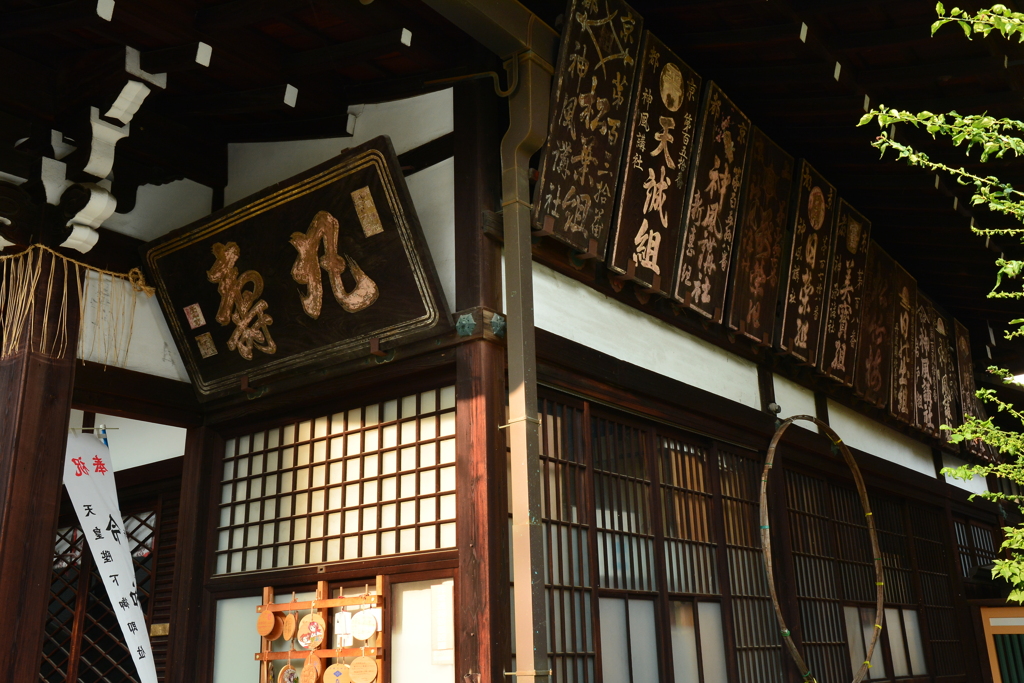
(164, 143)
(759, 35)
(324, 58)
(881, 38)
(427, 154)
(126, 393)
(336, 126)
(929, 72)
(76, 14)
(178, 58)
(26, 86)
(273, 98)
(244, 12)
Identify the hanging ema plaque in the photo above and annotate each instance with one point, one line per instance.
(597, 62)
(804, 300)
(655, 176)
(926, 396)
(764, 207)
(874, 351)
(299, 276)
(947, 375)
(904, 367)
(970, 404)
(710, 221)
(842, 318)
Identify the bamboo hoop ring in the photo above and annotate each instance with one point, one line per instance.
(766, 545)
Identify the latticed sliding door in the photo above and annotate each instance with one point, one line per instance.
(83, 639)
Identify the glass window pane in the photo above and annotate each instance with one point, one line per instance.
(867, 627)
(614, 642)
(684, 642)
(894, 629)
(643, 641)
(914, 644)
(712, 640)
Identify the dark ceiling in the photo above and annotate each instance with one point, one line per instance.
(59, 59)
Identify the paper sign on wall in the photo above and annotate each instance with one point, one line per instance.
(89, 478)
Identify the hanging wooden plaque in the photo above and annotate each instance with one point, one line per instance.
(846, 289)
(597, 63)
(803, 305)
(710, 220)
(926, 395)
(947, 375)
(874, 351)
(299, 276)
(969, 402)
(655, 175)
(764, 208)
(904, 363)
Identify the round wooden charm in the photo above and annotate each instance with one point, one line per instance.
(337, 673)
(290, 624)
(278, 628)
(363, 670)
(311, 670)
(364, 625)
(265, 623)
(288, 674)
(312, 630)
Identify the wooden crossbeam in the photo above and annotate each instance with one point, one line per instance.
(929, 71)
(178, 58)
(74, 14)
(882, 38)
(337, 126)
(746, 36)
(164, 143)
(244, 12)
(327, 57)
(245, 102)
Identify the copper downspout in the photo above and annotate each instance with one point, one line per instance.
(529, 46)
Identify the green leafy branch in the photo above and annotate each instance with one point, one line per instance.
(997, 18)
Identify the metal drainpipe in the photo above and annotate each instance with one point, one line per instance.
(514, 33)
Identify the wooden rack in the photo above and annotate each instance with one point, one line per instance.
(321, 602)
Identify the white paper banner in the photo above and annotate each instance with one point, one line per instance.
(89, 478)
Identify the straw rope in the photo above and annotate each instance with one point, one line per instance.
(766, 546)
(111, 296)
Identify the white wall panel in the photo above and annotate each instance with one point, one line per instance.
(794, 400)
(134, 442)
(877, 439)
(411, 122)
(572, 310)
(975, 485)
(433, 194)
(162, 208)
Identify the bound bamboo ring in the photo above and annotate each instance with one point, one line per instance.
(766, 545)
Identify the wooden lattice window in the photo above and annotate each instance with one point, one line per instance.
(83, 641)
(977, 546)
(758, 644)
(566, 515)
(370, 481)
(690, 549)
(939, 615)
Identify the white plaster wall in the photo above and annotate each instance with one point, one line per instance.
(106, 327)
(879, 440)
(433, 195)
(235, 641)
(410, 123)
(975, 485)
(572, 310)
(162, 208)
(134, 442)
(794, 400)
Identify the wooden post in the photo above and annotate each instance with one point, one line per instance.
(36, 386)
(190, 633)
(483, 625)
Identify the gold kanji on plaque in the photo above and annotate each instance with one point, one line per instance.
(240, 306)
(324, 230)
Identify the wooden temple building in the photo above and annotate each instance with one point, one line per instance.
(482, 315)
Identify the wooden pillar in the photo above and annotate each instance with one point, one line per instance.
(188, 654)
(483, 622)
(36, 384)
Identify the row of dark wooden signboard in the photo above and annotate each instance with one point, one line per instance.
(678, 192)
